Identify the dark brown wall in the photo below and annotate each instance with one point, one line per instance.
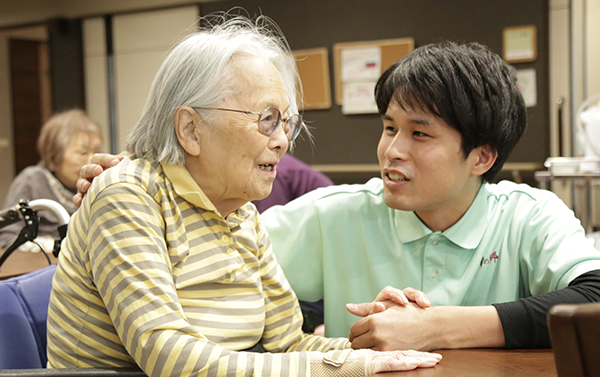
(66, 64)
(347, 139)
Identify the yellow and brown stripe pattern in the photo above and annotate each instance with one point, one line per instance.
(151, 274)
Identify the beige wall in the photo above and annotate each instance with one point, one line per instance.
(94, 67)
(593, 47)
(140, 45)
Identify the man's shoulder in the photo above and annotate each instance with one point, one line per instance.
(332, 200)
(511, 191)
(372, 190)
(512, 199)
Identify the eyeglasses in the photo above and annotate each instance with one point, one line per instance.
(269, 120)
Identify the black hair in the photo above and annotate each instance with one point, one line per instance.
(471, 88)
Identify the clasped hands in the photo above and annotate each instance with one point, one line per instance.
(396, 320)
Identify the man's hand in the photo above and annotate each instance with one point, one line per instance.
(399, 327)
(395, 328)
(386, 298)
(96, 165)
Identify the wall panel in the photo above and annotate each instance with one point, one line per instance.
(141, 41)
(352, 139)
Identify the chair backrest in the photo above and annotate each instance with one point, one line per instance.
(575, 334)
(23, 312)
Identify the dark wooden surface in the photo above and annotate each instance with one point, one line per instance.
(488, 363)
(19, 263)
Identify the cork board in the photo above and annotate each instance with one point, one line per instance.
(313, 66)
(392, 50)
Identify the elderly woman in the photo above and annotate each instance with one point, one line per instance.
(66, 142)
(166, 264)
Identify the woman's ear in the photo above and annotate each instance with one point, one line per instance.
(187, 122)
(485, 158)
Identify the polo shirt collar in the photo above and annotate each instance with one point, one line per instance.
(185, 186)
(466, 233)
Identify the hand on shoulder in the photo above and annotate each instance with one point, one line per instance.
(95, 166)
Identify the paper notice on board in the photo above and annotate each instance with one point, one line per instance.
(361, 64)
(359, 98)
(526, 81)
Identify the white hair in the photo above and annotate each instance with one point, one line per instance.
(191, 76)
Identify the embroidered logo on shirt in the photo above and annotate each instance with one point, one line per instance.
(493, 257)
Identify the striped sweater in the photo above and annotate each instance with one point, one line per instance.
(151, 274)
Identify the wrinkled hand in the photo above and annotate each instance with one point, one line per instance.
(402, 360)
(95, 166)
(387, 298)
(396, 328)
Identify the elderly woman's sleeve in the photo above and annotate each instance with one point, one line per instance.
(283, 324)
(131, 268)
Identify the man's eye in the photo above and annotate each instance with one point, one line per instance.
(419, 134)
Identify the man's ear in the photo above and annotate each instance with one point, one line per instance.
(187, 122)
(485, 158)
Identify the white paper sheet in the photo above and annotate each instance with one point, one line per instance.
(359, 98)
(526, 81)
(361, 64)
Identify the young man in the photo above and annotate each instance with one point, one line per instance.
(491, 258)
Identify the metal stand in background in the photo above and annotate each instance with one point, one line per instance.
(582, 212)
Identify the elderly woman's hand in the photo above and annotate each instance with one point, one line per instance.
(391, 361)
(95, 166)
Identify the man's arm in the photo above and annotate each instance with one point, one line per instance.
(438, 327)
(517, 324)
(524, 321)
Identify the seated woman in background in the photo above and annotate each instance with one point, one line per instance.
(66, 142)
(167, 265)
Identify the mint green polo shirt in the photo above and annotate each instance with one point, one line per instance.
(344, 244)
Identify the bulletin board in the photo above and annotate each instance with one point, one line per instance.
(392, 50)
(313, 66)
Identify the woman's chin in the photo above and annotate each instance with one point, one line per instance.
(262, 194)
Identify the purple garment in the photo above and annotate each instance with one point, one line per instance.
(294, 178)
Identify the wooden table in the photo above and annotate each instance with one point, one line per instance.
(488, 363)
(19, 263)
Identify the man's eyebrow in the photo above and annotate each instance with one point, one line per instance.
(386, 117)
(421, 121)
